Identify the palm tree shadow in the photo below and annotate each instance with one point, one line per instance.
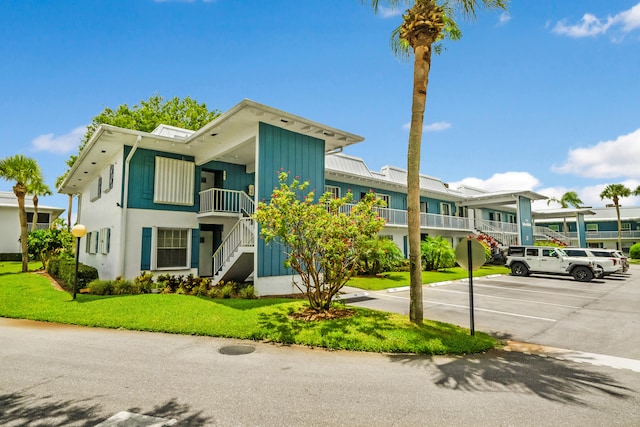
(548, 378)
(29, 410)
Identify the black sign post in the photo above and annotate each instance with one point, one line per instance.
(470, 255)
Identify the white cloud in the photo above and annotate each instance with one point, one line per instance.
(432, 127)
(61, 143)
(607, 159)
(504, 18)
(591, 25)
(387, 12)
(501, 181)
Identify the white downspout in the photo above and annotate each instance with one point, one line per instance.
(125, 202)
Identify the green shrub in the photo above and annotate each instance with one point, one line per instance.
(101, 287)
(144, 282)
(123, 287)
(437, 254)
(226, 291)
(378, 255)
(65, 270)
(634, 251)
(247, 292)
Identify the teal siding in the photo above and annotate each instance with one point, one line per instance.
(145, 253)
(141, 175)
(398, 200)
(299, 155)
(236, 176)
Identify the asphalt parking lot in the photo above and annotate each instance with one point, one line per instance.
(602, 316)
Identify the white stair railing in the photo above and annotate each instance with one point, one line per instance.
(226, 201)
(241, 235)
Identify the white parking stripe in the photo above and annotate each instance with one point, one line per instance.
(509, 299)
(534, 292)
(479, 309)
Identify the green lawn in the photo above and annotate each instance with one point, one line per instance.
(398, 279)
(30, 296)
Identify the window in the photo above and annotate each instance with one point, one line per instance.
(532, 252)
(592, 228)
(463, 212)
(335, 191)
(95, 192)
(385, 198)
(92, 242)
(445, 209)
(108, 178)
(173, 182)
(511, 218)
(554, 227)
(424, 207)
(625, 226)
(172, 248)
(104, 242)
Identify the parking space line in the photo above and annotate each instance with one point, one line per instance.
(534, 292)
(506, 313)
(509, 299)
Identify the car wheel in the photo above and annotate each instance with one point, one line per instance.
(519, 269)
(600, 275)
(582, 274)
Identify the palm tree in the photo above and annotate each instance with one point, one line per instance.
(59, 182)
(37, 188)
(23, 171)
(425, 24)
(570, 198)
(615, 192)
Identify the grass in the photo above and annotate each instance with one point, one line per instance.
(398, 279)
(30, 296)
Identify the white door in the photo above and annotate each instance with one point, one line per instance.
(206, 253)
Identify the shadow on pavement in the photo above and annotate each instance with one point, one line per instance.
(18, 409)
(550, 379)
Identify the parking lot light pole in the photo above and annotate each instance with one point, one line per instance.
(78, 231)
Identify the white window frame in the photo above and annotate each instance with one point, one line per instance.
(155, 247)
(95, 191)
(334, 190)
(385, 198)
(625, 226)
(107, 179)
(554, 227)
(104, 241)
(445, 207)
(594, 228)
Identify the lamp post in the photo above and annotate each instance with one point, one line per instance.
(78, 232)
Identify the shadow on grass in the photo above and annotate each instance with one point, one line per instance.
(499, 371)
(28, 410)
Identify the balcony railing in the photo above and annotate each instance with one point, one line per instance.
(220, 200)
(631, 234)
(427, 220)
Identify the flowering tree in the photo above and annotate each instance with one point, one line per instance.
(321, 240)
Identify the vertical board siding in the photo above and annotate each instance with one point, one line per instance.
(141, 180)
(195, 248)
(299, 155)
(237, 177)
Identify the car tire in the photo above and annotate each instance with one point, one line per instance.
(601, 275)
(582, 274)
(519, 269)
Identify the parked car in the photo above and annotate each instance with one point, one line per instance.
(523, 260)
(624, 260)
(609, 263)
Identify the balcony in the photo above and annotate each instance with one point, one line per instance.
(604, 235)
(225, 202)
(397, 217)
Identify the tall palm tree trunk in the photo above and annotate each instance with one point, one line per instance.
(34, 221)
(617, 204)
(422, 65)
(19, 191)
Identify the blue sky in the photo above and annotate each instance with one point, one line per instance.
(545, 97)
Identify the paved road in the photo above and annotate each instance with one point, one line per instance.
(602, 316)
(58, 375)
(71, 376)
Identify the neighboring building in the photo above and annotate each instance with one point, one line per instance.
(601, 228)
(180, 202)
(10, 222)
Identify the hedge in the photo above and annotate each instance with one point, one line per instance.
(65, 270)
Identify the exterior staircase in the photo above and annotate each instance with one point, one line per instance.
(233, 260)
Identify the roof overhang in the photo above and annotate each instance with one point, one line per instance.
(230, 137)
(498, 199)
(561, 213)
